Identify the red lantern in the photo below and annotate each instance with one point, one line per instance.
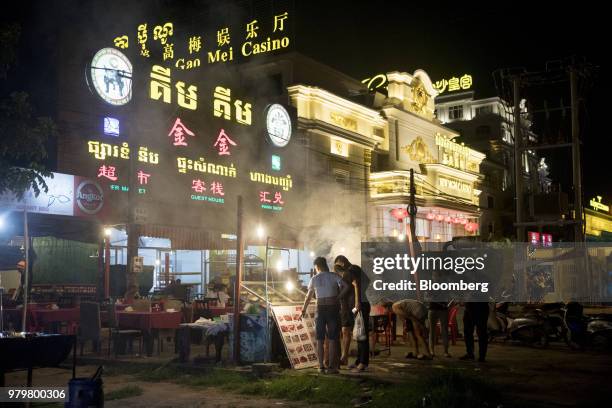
(463, 221)
(456, 220)
(439, 217)
(399, 213)
(471, 227)
(431, 216)
(448, 219)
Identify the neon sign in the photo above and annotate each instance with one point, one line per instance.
(160, 87)
(276, 163)
(201, 166)
(454, 84)
(223, 108)
(178, 131)
(145, 156)
(271, 203)
(111, 127)
(143, 178)
(223, 143)
(223, 41)
(285, 182)
(596, 204)
(377, 81)
(109, 172)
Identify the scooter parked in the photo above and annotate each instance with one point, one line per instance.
(540, 326)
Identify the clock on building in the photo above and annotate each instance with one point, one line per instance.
(278, 125)
(111, 75)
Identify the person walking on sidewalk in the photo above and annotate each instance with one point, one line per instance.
(328, 288)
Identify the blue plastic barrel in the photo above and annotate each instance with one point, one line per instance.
(85, 392)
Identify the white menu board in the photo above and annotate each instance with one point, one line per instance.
(298, 335)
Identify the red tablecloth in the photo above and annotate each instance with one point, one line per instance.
(43, 317)
(149, 320)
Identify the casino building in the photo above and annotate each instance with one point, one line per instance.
(447, 174)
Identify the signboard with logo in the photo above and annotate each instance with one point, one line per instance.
(533, 237)
(58, 200)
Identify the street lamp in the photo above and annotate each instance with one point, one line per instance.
(108, 232)
(260, 231)
(289, 286)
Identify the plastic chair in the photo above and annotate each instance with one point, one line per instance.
(382, 326)
(452, 324)
(115, 332)
(89, 325)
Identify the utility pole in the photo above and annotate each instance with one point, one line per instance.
(577, 174)
(412, 211)
(237, 283)
(518, 162)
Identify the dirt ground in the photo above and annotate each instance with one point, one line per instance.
(552, 377)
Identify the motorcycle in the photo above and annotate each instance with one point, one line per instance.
(540, 326)
(498, 321)
(587, 332)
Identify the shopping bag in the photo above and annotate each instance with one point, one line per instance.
(359, 330)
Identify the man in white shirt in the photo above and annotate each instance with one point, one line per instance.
(329, 288)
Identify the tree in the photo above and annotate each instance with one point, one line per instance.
(23, 136)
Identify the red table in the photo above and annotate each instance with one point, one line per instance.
(146, 321)
(149, 323)
(43, 318)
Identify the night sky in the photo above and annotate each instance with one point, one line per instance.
(364, 38)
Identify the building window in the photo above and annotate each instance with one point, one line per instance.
(342, 177)
(484, 110)
(455, 112)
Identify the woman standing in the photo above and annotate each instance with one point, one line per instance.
(347, 318)
(360, 282)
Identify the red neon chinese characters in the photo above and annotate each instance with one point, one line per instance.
(198, 186)
(278, 198)
(223, 143)
(143, 178)
(108, 172)
(216, 188)
(263, 197)
(178, 132)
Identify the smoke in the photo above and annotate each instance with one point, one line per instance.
(334, 218)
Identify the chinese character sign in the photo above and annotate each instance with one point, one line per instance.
(223, 143)
(178, 132)
(454, 84)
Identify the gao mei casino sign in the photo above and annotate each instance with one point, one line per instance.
(199, 136)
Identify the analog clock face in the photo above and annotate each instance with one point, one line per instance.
(111, 74)
(278, 125)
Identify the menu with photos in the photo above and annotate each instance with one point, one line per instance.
(298, 334)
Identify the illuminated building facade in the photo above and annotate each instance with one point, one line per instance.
(447, 173)
(488, 126)
(598, 220)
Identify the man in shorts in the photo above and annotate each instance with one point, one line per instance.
(329, 289)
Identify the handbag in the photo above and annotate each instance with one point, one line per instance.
(359, 330)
